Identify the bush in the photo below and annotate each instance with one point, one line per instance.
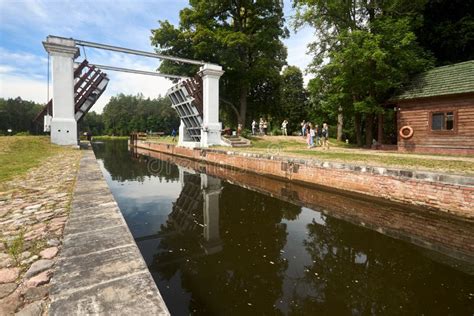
(246, 133)
(275, 131)
(22, 134)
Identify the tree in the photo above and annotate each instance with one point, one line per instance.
(242, 36)
(293, 97)
(17, 115)
(367, 50)
(92, 123)
(128, 113)
(447, 30)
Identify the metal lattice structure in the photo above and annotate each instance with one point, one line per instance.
(185, 100)
(89, 84)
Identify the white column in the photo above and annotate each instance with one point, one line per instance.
(211, 132)
(63, 124)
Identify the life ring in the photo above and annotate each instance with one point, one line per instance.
(410, 132)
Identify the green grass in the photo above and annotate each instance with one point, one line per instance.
(402, 161)
(18, 154)
(294, 142)
(107, 137)
(162, 139)
(16, 247)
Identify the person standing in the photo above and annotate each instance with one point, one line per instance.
(303, 128)
(173, 134)
(311, 135)
(254, 127)
(307, 132)
(283, 128)
(325, 135)
(318, 135)
(265, 127)
(260, 126)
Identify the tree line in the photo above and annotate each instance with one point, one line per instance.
(364, 52)
(122, 115)
(17, 115)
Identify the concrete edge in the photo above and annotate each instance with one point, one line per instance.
(100, 269)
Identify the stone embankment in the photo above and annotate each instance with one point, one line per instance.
(33, 211)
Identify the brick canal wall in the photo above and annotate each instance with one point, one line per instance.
(444, 234)
(453, 194)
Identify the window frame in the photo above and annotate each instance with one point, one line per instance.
(445, 112)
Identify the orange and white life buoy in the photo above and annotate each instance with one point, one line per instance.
(406, 135)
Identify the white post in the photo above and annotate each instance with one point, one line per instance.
(184, 140)
(63, 124)
(211, 190)
(211, 132)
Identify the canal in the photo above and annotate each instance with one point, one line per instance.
(221, 242)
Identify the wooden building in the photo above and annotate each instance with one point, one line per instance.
(435, 114)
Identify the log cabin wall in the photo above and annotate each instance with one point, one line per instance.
(417, 113)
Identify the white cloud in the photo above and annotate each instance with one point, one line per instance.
(6, 69)
(12, 86)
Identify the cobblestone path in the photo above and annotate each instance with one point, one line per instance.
(33, 211)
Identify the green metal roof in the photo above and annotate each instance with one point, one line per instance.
(445, 80)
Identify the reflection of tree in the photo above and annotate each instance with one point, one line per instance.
(247, 275)
(119, 163)
(357, 271)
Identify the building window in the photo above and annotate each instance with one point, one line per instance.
(442, 121)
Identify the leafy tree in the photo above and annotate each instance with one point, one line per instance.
(17, 115)
(92, 123)
(243, 36)
(448, 30)
(127, 113)
(367, 50)
(293, 97)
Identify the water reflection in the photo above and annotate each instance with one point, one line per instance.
(217, 248)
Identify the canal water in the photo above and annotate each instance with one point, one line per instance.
(220, 246)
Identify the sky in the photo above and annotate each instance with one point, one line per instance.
(24, 24)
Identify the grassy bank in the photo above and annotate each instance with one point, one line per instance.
(18, 154)
(107, 137)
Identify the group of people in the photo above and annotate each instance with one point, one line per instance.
(262, 127)
(312, 133)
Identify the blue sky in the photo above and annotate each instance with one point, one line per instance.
(24, 24)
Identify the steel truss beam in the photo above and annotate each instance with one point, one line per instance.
(138, 52)
(139, 72)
